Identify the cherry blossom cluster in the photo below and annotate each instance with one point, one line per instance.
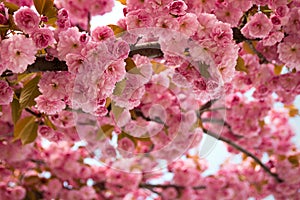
(140, 95)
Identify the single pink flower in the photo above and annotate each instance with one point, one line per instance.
(26, 19)
(6, 93)
(69, 42)
(125, 144)
(139, 19)
(259, 26)
(102, 33)
(43, 37)
(55, 85)
(17, 52)
(289, 52)
(63, 21)
(188, 24)
(121, 50)
(100, 7)
(177, 8)
(48, 106)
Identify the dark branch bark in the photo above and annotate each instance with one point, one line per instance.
(151, 50)
(165, 186)
(41, 65)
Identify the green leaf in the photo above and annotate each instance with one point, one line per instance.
(15, 110)
(116, 110)
(105, 131)
(293, 110)
(48, 122)
(132, 138)
(11, 7)
(158, 67)
(240, 65)
(129, 64)
(131, 67)
(278, 69)
(24, 76)
(123, 2)
(120, 86)
(29, 93)
(46, 8)
(26, 130)
(42, 5)
(118, 31)
(51, 13)
(294, 160)
(204, 70)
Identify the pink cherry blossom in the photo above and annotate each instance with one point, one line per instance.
(63, 20)
(169, 193)
(138, 19)
(55, 85)
(17, 52)
(26, 19)
(6, 93)
(293, 24)
(126, 145)
(282, 11)
(100, 7)
(259, 26)
(18, 193)
(42, 37)
(188, 24)
(48, 106)
(102, 33)
(69, 42)
(167, 22)
(230, 13)
(177, 8)
(289, 51)
(273, 38)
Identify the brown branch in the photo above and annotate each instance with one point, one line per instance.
(177, 187)
(41, 65)
(38, 115)
(241, 149)
(139, 113)
(221, 122)
(261, 57)
(151, 50)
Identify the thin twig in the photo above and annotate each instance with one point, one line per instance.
(38, 115)
(221, 122)
(261, 57)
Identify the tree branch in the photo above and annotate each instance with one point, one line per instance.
(221, 122)
(177, 187)
(41, 65)
(236, 146)
(151, 50)
(261, 57)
